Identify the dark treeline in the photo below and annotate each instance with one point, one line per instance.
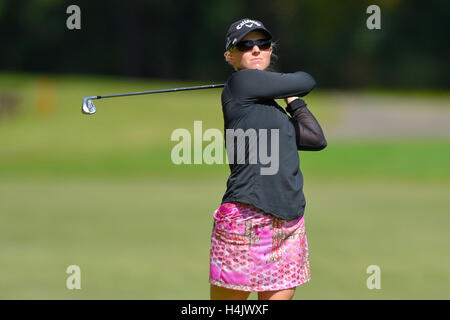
(185, 39)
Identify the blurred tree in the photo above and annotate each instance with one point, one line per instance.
(185, 39)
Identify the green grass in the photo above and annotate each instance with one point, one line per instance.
(101, 192)
(149, 238)
(412, 161)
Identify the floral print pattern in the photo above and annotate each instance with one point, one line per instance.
(255, 251)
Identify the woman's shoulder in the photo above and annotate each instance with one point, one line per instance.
(234, 84)
(242, 78)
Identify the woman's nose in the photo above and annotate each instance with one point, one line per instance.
(255, 49)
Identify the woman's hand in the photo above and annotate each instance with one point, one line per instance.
(290, 99)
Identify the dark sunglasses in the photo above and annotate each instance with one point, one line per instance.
(247, 45)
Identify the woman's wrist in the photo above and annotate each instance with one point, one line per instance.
(290, 99)
(295, 104)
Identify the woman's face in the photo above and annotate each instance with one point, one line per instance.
(255, 58)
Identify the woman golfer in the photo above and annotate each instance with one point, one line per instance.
(258, 241)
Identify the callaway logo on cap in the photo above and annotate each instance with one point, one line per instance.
(248, 23)
(239, 29)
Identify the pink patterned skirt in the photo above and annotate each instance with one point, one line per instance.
(254, 251)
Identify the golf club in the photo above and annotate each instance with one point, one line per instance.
(88, 106)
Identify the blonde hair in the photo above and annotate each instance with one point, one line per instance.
(226, 54)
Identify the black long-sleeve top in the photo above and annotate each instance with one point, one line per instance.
(309, 134)
(262, 140)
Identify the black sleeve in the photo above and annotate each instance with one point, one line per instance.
(253, 84)
(309, 134)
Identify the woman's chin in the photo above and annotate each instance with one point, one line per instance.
(259, 66)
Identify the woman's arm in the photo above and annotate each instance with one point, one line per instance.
(253, 84)
(308, 132)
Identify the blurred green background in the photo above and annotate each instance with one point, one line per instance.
(101, 191)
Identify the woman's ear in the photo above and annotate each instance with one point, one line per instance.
(228, 57)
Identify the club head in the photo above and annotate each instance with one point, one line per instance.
(88, 106)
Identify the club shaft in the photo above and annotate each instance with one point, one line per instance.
(211, 86)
